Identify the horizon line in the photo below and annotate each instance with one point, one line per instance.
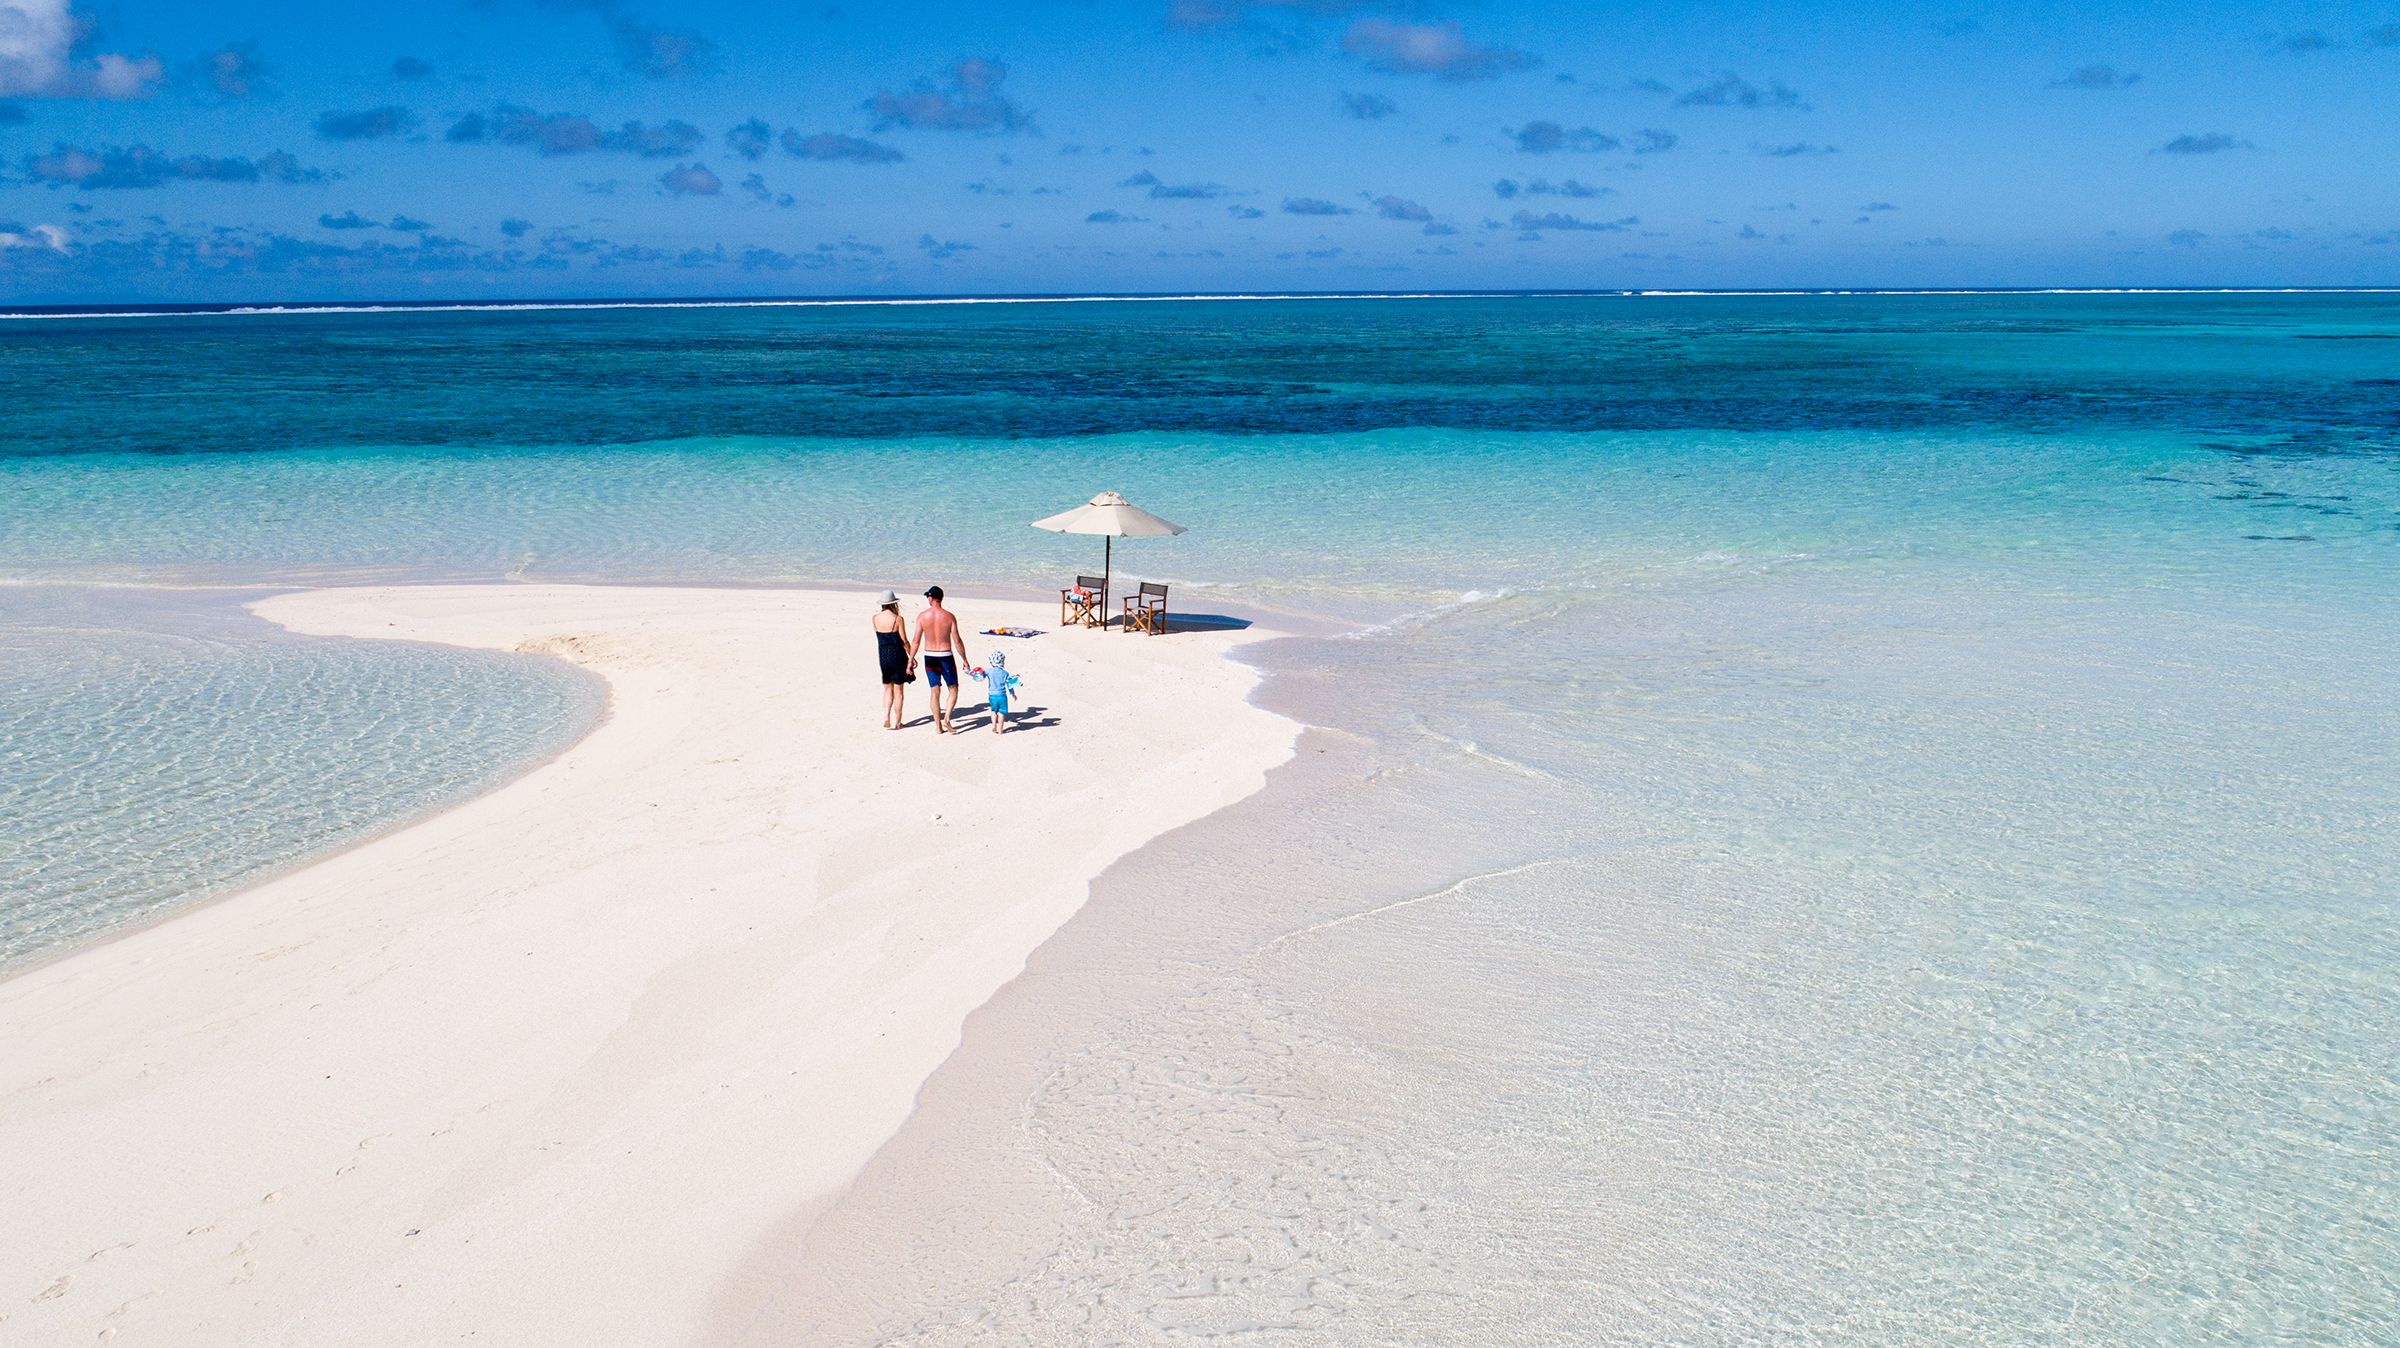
(248, 308)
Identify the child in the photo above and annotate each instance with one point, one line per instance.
(1001, 683)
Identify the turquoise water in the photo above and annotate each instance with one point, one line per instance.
(157, 750)
(1890, 798)
(1899, 953)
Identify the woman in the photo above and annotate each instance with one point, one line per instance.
(898, 652)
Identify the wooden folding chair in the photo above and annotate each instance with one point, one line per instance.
(1086, 603)
(1147, 611)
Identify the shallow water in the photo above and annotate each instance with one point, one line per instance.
(1889, 801)
(158, 750)
(1924, 940)
(1881, 977)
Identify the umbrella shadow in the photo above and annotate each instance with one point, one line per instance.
(1191, 622)
(1204, 622)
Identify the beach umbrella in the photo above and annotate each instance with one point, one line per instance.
(1109, 515)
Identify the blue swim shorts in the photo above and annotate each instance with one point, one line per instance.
(941, 671)
(999, 704)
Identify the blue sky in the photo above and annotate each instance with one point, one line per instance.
(509, 148)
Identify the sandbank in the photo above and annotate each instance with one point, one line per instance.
(548, 1067)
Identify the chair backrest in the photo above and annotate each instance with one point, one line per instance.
(1090, 583)
(1150, 591)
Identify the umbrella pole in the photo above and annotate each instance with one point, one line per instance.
(1108, 549)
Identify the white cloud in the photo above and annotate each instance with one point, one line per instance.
(691, 180)
(121, 76)
(1429, 49)
(35, 236)
(36, 37)
(68, 165)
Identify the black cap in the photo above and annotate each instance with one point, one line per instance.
(934, 592)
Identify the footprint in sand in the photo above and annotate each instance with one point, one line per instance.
(56, 1289)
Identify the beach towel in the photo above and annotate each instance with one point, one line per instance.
(1010, 632)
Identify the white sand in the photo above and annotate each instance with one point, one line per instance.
(549, 1067)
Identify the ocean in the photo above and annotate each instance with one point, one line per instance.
(1851, 819)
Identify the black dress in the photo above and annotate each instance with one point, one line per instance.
(894, 654)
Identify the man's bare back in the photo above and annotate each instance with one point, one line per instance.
(943, 654)
(937, 632)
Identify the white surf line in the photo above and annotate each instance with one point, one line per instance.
(803, 302)
(293, 310)
(1452, 888)
(1473, 750)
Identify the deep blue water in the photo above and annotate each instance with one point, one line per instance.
(2298, 371)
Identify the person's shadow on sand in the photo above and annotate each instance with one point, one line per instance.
(1017, 720)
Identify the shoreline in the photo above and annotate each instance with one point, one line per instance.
(517, 1044)
(957, 1205)
(957, 1225)
(1271, 624)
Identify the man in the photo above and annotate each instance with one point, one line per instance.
(943, 652)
